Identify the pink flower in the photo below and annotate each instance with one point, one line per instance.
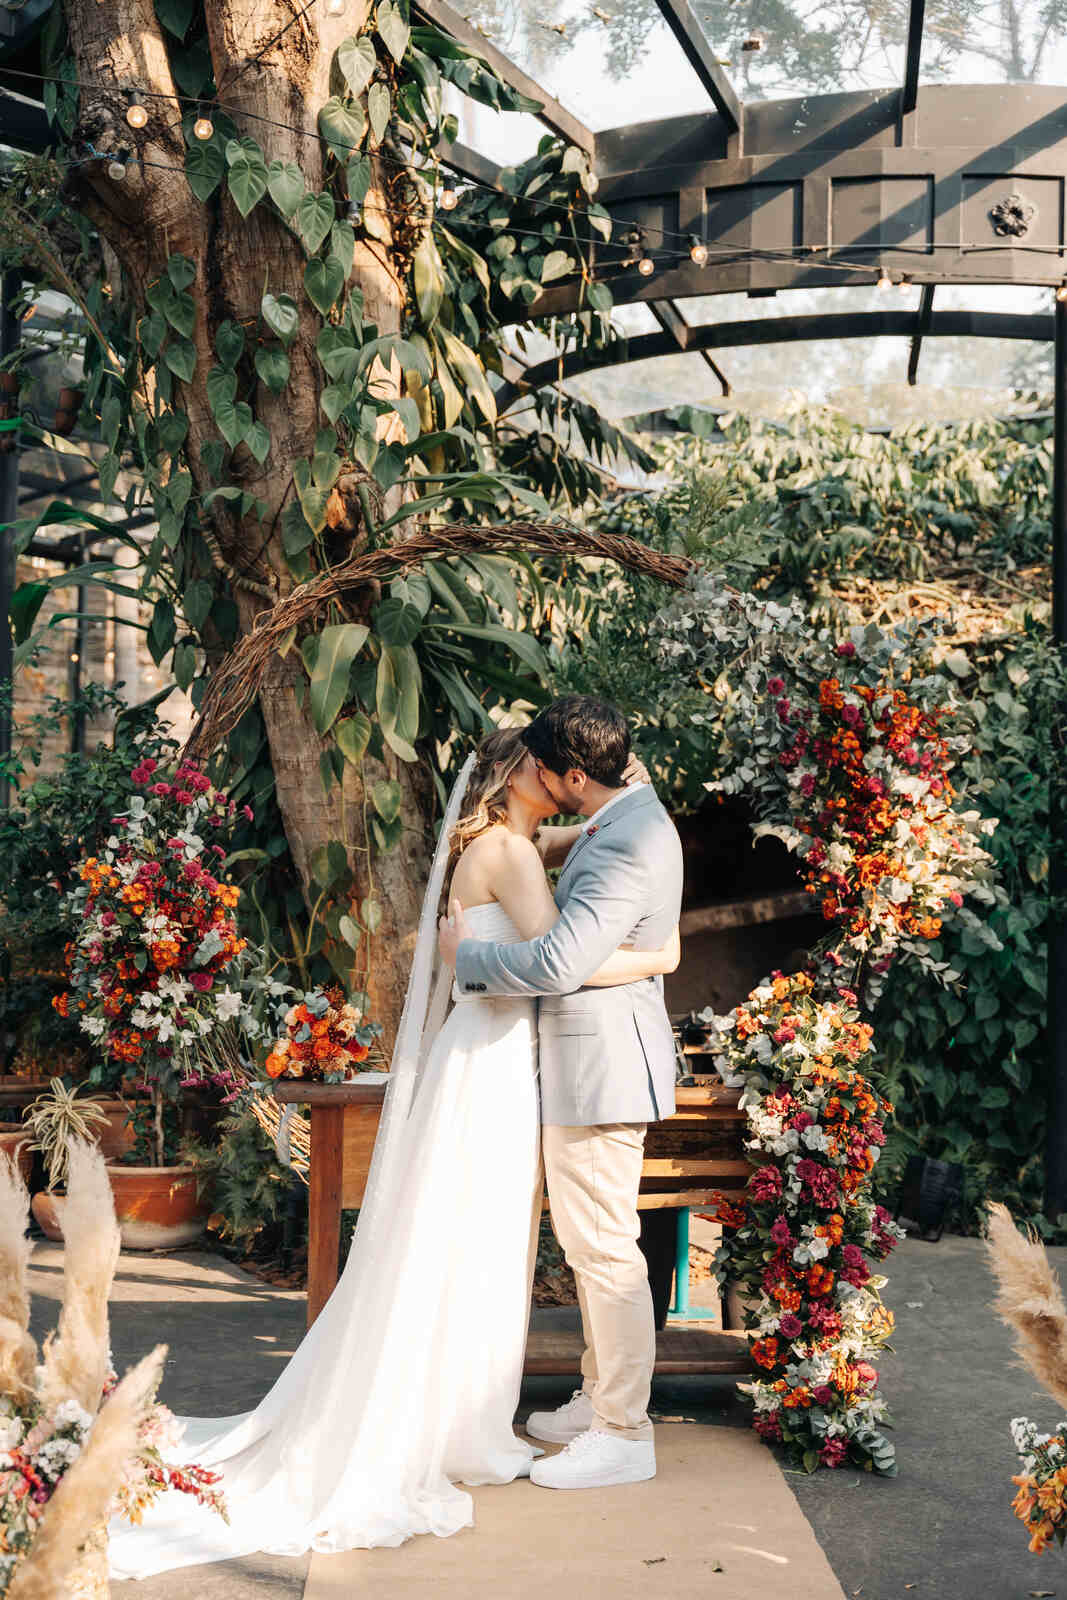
(201, 981)
(802, 1120)
(765, 1184)
(150, 763)
(248, 814)
(956, 897)
(834, 1452)
(807, 784)
(768, 1426)
(846, 648)
(852, 715)
(162, 789)
(791, 1326)
(822, 1394)
(183, 797)
(107, 919)
(783, 708)
(852, 1255)
(784, 1035)
(780, 1231)
(775, 686)
(198, 782)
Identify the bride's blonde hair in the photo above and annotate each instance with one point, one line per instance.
(485, 803)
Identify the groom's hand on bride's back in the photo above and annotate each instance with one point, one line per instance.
(451, 931)
(636, 771)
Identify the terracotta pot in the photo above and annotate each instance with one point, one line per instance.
(47, 1210)
(118, 1136)
(157, 1207)
(17, 1144)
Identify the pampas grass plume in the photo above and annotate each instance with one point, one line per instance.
(76, 1358)
(85, 1492)
(18, 1352)
(1030, 1301)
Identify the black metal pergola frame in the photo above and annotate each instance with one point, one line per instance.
(927, 184)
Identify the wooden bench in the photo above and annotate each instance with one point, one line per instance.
(689, 1157)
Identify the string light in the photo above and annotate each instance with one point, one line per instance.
(116, 171)
(1061, 292)
(884, 280)
(448, 199)
(136, 114)
(335, 8)
(203, 128)
(646, 266)
(698, 251)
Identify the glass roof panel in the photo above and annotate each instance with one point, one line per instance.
(780, 51)
(995, 41)
(608, 62)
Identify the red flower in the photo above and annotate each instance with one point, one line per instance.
(201, 981)
(846, 648)
(775, 686)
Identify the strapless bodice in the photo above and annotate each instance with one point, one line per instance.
(491, 923)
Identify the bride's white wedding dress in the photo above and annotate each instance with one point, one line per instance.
(406, 1385)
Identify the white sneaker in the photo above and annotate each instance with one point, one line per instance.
(564, 1424)
(594, 1460)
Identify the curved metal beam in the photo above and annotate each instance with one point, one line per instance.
(783, 330)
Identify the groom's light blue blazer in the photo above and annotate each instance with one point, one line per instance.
(607, 1055)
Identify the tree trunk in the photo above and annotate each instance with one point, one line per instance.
(153, 214)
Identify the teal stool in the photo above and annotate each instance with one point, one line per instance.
(681, 1310)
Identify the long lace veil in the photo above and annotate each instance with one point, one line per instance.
(420, 1021)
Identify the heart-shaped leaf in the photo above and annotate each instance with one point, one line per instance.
(296, 535)
(204, 169)
(343, 245)
(233, 421)
(393, 30)
(357, 61)
(342, 125)
(282, 315)
(352, 736)
(180, 358)
(325, 469)
(379, 105)
(285, 185)
(349, 932)
(338, 647)
(272, 368)
(152, 330)
(357, 177)
(230, 343)
(556, 265)
(371, 912)
(312, 499)
(313, 219)
(180, 312)
(221, 387)
(247, 181)
(336, 350)
(386, 797)
(323, 280)
(258, 440)
(429, 278)
(181, 271)
(333, 399)
(197, 602)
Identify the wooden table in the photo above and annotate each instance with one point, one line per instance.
(688, 1157)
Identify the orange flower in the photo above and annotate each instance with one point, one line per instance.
(275, 1065)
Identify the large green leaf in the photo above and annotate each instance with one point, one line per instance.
(466, 363)
(393, 29)
(247, 178)
(272, 368)
(398, 688)
(282, 315)
(285, 184)
(386, 798)
(397, 621)
(205, 166)
(312, 499)
(357, 61)
(323, 281)
(524, 645)
(352, 736)
(221, 387)
(313, 219)
(429, 278)
(379, 105)
(180, 358)
(339, 646)
(342, 125)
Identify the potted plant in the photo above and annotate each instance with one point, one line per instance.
(53, 1120)
(154, 971)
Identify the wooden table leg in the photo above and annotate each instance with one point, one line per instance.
(324, 1204)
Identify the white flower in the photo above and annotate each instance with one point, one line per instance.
(10, 1433)
(70, 1414)
(228, 1004)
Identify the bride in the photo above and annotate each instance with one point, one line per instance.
(406, 1385)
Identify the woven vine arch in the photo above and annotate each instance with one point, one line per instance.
(237, 681)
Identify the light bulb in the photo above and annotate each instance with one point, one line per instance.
(884, 280)
(136, 115)
(1061, 292)
(698, 252)
(116, 171)
(203, 128)
(335, 8)
(448, 199)
(646, 266)
(75, 658)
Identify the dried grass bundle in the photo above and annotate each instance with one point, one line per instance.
(76, 1359)
(18, 1352)
(235, 684)
(85, 1492)
(1029, 1299)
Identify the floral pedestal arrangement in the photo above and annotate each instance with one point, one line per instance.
(800, 1246)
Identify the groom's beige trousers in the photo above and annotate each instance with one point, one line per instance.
(593, 1176)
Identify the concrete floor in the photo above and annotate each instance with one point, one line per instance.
(944, 1527)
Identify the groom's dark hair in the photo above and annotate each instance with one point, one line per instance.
(581, 731)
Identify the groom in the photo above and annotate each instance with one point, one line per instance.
(607, 1070)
